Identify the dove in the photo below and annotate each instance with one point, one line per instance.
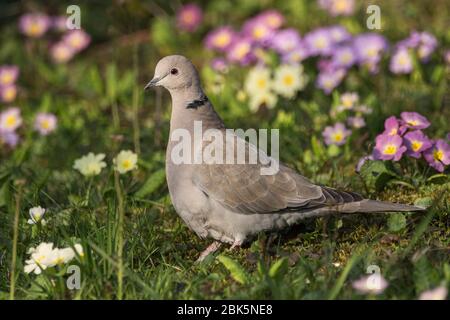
(231, 202)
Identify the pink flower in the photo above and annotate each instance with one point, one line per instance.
(438, 156)
(8, 75)
(220, 38)
(10, 119)
(413, 120)
(8, 93)
(336, 135)
(34, 24)
(416, 142)
(45, 123)
(189, 17)
(258, 31)
(241, 51)
(76, 39)
(272, 18)
(439, 293)
(371, 284)
(61, 52)
(388, 147)
(392, 127)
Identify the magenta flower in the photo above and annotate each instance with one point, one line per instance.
(219, 64)
(416, 142)
(438, 156)
(258, 31)
(338, 7)
(61, 52)
(45, 123)
(220, 38)
(401, 61)
(10, 119)
(34, 24)
(285, 41)
(392, 127)
(336, 135)
(272, 18)
(319, 42)
(241, 51)
(8, 93)
(329, 79)
(77, 39)
(388, 147)
(11, 139)
(8, 74)
(189, 17)
(413, 120)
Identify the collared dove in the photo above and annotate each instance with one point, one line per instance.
(232, 202)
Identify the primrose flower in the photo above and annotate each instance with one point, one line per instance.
(36, 215)
(285, 41)
(336, 135)
(257, 30)
(356, 122)
(11, 139)
(401, 61)
(330, 79)
(61, 52)
(319, 42)
(348, 100)
(10, 119)
(371, 284)
(369, 48)
(241, 51)
(262, 98)
(392, 127)
(416, 142)
(258, 80)
(438, 156)
(8, 75)
(34, 24)
(42, 257)
(76, 39)
(343, 56)
(414, 120)
(388, 147)
(125, 161)
(220, 39)
(189, 17)
(288, 80)
(90, 165)
(427, 45)
(338, 7)
(272, 18)
(439, 293)
(8, 93)
(45, 123)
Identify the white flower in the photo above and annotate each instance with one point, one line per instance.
(125, 161)
(266, 98)
(42, 257)
(439, 293)
(374, 284)
(289, 79)
(348, 101)
(90, 165)
(36, 215)
(258, 81)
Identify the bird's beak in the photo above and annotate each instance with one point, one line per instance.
(152, 83)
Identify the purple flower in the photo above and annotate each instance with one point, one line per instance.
(59, 23)
(77, 39)
(361, 162)
(413, 120)
(295, 56)
(285, 41)
(8, 93)
(9, 138)
(329, 79)
(10, 119)
(45, 123)
(319, 42)
(219, 64)
(336, 135)
(369, 48)
(339, 34)
(34, 24)
(401, 61)
(343, 56)
(392, 127)
(189, 17)
(427, 45)
(447, 57)
(220, 38)
(272, 18)
(61, 52)
(416, 142)
(338, 7)
(356, 122)
(258, 31)
(388, 147)
(438, 156)
(8, 74)
(241, 51)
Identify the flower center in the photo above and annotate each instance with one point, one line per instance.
(261, 83)
(390, 149)
(126, 164)
(438, 155)
(393, 132)
(320, 42)
(188, 17)
(45, 124)
(11, 121)
(9, 94)
(242, 51)
(222, 40)
(288, 80)
(6, 78)
(412, 122)
(338, 136)
(416, 145)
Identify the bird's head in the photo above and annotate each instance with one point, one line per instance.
(174, 73)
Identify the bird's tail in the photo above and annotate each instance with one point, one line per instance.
(375, 206)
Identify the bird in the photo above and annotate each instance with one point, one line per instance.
(232, 202)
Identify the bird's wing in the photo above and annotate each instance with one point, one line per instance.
(242, 188)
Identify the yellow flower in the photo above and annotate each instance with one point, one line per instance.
(125, 161)
(90, 165)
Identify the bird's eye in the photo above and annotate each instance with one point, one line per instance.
(174, 71)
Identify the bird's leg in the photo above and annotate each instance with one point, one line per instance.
(236, 243)
(211, 248)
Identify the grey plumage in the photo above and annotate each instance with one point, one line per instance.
(233, 202)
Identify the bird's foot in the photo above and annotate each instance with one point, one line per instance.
(236, 244)
(213, 247)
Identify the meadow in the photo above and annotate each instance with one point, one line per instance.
(363, 106)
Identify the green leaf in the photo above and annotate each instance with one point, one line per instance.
(278, 268)
(237, 272)
(439, 178)
(424, 202)
(333, 150)
(376, 174)
(153, 182)
(396, 222)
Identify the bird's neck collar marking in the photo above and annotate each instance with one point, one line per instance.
(197, 103)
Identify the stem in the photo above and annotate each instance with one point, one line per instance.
(115, 114)
(136, 103)
(14, 248)
(120, 235)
